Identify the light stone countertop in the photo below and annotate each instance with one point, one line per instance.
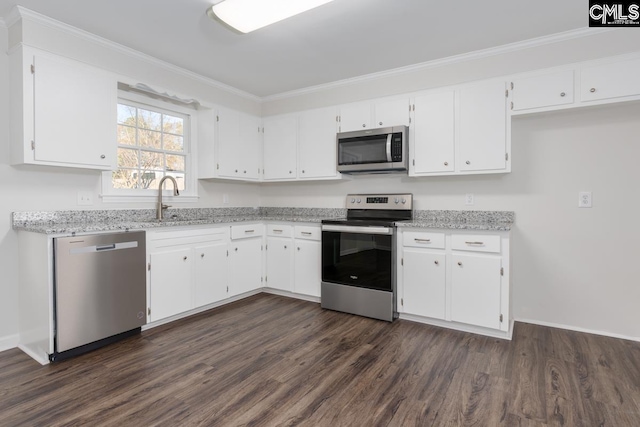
(96, 221)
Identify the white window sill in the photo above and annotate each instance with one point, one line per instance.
(133, 198)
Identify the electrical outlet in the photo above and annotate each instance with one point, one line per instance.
(584, 199)
(225, 199)
(85, 198)
(468, 199)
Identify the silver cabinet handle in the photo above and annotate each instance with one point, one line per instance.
(422, 240)
(236, 249)
(290, 172)
(298, 247)
(380, 123)
(302, 170)
(285, 246)
(436, 263)
(306, 233)
(277, 231)
(446, 163)
(460, 264)
(201, 255)
(249, 231)
(468, 162)
(474, 243)
(562, 94)
(184, 259)
(364, 125)
(102, 156)
(593, 89)
(236, 170)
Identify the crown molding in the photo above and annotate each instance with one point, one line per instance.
(436, 63)
(19, 12)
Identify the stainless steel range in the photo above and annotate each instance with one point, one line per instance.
(359, 255)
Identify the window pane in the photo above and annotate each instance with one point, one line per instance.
(126, 135)
(149, 138)
(127, 158)
(126, 114)
(150, 179)
(179, 179)
(124, 178)
(175, 163)
(151, 161)
(149, 119)
(173, 125)
(173, 143)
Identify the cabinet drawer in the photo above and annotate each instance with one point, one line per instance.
(475, 242)
(279, 230)
(246, 230)
(307, 232)
(419, 239)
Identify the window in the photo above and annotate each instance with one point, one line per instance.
(153, 139)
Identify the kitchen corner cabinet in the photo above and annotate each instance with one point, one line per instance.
(63, 112)
(230, 144)
(186, 270)
(377, 114)
(245, 258)
(456, 279)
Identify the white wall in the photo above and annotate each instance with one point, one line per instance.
(573, 267)
(33, 188)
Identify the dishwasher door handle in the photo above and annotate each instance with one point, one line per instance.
(103, 248)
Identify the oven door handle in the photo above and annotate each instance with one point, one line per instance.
(389, 147)
(357, 229)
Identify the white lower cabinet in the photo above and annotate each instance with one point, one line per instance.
(307, 261)
(455, 279)
(187, 269)
(280, 263)
(245, 258)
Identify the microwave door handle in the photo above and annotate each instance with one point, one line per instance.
(389, 147)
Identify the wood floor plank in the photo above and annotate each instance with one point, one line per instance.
(273, 361)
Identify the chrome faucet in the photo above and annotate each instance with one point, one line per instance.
(160, 209)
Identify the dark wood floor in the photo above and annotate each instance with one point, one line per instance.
(269, 360)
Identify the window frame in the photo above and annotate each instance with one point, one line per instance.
(111, 194)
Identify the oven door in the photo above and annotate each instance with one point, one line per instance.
(360, 256)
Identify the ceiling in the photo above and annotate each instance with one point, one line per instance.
(336, 41)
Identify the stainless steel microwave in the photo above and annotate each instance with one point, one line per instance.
(382, 150)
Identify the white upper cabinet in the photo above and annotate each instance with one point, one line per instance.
(230, 144)
(280, 147)
(393, 112)
(376, 114)
(482, 123)
(63, 112)
(432, 134)
(611, 80)
(541, 91)
(317, 144)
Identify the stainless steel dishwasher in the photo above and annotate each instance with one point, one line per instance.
(100, 292)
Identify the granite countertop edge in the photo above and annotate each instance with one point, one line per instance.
(486, 226)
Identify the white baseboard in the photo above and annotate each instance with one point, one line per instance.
(8, 342)
(35, 356)
(578, 329)
(507, 335)
(290, 294)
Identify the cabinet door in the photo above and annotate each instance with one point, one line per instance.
(475, 290)
(228, 143)
(391, 113)
(483, 127)
(317, 143)
(610, 80)
(246, 265)
(542, 91)
(170, 283)
(307, 268)
(206, 143)
(251, 151)
(355, 117)
(74, 113)
(211, 275)
(433, 133)
(280, 142)
(279, 263)
(424, 285)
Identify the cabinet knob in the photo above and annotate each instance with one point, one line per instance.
(364, 125)
(102, 156)
(184, 259)
(436, 263)
(201, 255)
(593, 89)
(285, 246)
(460, 264)
(302, 170)
(380, 123)
(563, 94)
(298, 247)
(236, 170)
(245, 171)
(446, 163)
(468, 162)
(236, 249)
(289, 171)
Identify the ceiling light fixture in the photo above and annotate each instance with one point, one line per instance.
(248, 15)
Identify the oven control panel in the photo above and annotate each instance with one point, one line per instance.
(402, 201)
